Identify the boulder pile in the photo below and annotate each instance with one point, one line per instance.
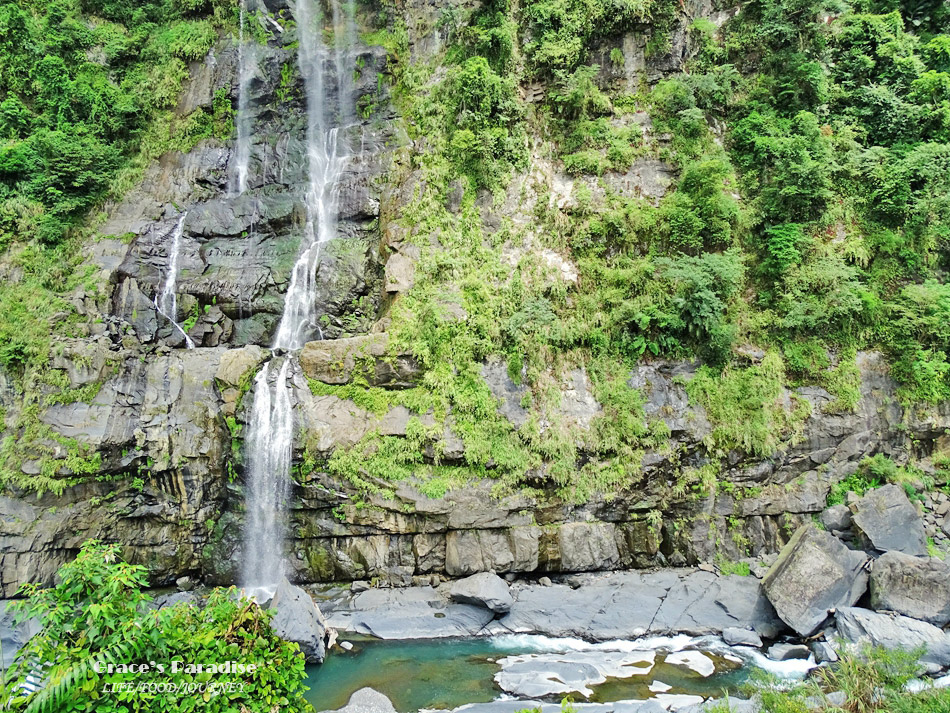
(864, 577)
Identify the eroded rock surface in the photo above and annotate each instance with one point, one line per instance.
(298, 619)
(603, 607)
(484, 589)
(891, 631)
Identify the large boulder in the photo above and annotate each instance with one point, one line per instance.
(891, 631)
(836, 517)
(918, 587)
(298, 619)
(888, 521)
(814, 574)
(367, 700)
(734, 636)
(484, 589)
(236, 364)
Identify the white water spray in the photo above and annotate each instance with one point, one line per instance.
(270, 435)
(166, 301)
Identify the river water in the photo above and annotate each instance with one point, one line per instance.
(448, 673)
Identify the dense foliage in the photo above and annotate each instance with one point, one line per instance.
(807, 144)
(97, 616)
(81, 80)
(807, 220)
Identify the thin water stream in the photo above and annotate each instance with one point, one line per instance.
(247, 66)
(166, 301)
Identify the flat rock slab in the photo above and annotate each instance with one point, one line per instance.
(513, 706)
(626, 605)
(918, 587)
(661, 704)
(414, 613)
(693, 660)
(617, 605)
(888, 521)
(814, 573)
(892, 631)
(539, 675)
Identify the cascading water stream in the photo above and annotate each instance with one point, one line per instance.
(166, 301)
(247, 65)
(270, 434)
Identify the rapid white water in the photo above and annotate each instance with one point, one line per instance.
(166, 302)
(247, 65)
(270, 434)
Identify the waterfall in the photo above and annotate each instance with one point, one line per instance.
(270, 431)
(166, 302)
(269, 446)
(247, 65)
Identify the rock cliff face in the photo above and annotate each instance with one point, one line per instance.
(166, 422)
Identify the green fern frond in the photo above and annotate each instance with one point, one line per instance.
(51, 697)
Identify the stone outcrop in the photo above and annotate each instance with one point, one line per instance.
(885, 518)
(158, 428)
(600, 607)
(735, 636)
(367, 700)
(238, 250)
(814, 575)
(12, 635)
(340, 361)
(918, 587)
(837, 518)
(167, 423)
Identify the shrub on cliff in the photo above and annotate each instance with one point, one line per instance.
(95, 624)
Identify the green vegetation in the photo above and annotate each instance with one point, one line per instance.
(807, 220)
(82, 85)
(874, 472)
(97, 615)
(745, 408)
